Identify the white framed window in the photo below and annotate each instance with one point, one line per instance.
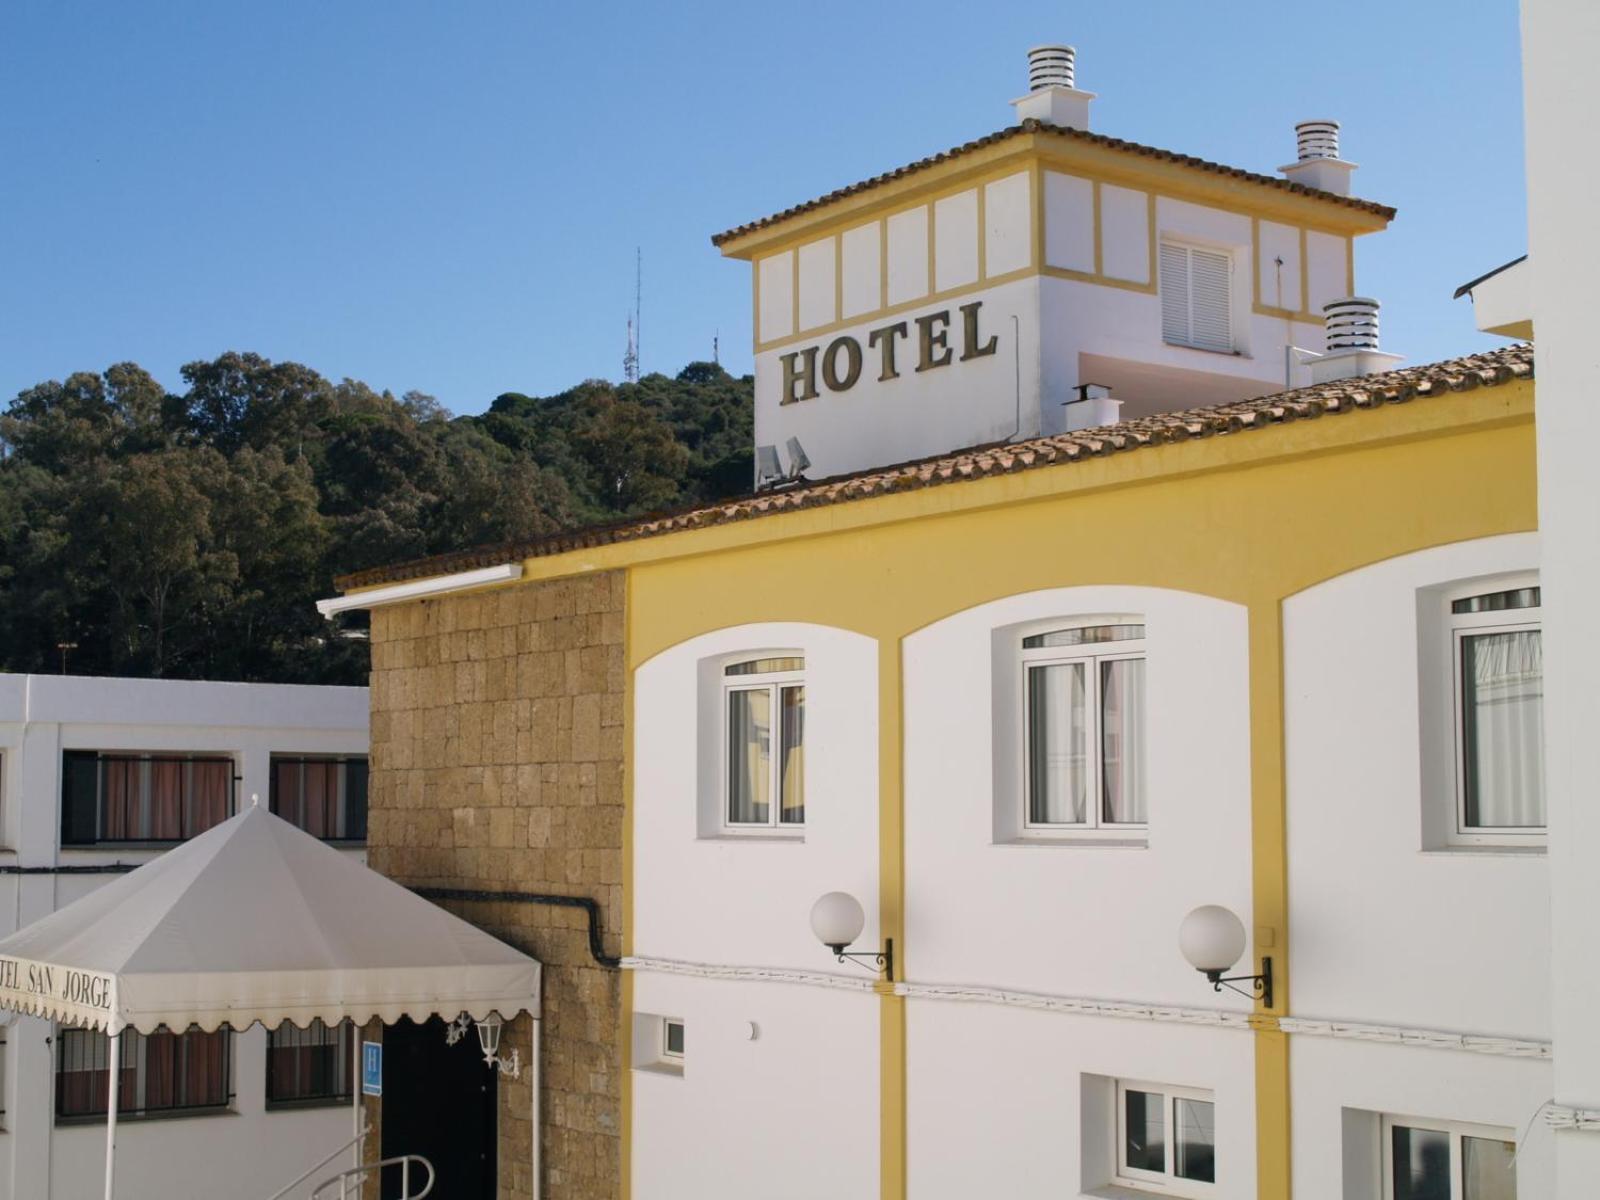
(1166, 1139)
(1497, 685)
(1196, 297)
(1083, 722)
(672, 1039)
(763, 759)
(1447, 1160)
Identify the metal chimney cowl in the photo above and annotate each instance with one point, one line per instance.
(1317, 163)
(1053, 94)
(1352, 342)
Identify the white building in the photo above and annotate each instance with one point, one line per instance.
(101, 774)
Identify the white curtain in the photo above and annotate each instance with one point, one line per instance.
(792, 757)
(1503, 727)
(1057, 745)
(1122, 741)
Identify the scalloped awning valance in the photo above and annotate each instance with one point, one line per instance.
(255, 920)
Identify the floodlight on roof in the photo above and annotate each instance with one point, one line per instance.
(768, 470)
(798, 459)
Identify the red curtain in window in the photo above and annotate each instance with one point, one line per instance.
(160, 1070)
(286, 799)
(322, 792)
(120, 798)
(166, 800)
(213, 779)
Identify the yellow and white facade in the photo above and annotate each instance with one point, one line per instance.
(1292, 581)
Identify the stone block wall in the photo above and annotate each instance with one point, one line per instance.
(497, 747)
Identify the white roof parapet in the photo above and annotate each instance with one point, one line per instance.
(416, 589)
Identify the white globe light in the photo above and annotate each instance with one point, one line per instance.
(837, 919)
(1211, 938)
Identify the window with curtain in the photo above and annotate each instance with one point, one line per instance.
(161, 1072)
(1166, 1139)
(311, 1065)
(1083, 736)
(327, 797)
(764, 704)
(1445, 1160)
(1196, 297)
(1499, 705)
(142, 797)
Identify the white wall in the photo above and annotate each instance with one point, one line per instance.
(740, 899)
(875, 423)
(1560, 42)
(995, 1096)
(790, 1115)
(1333, 1080)
(795, 1111)
(250, 1152)
(1078, 920)
(1384, 927)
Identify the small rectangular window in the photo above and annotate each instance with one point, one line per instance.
(671, 1038)
(764, 763)
(163, 1072)
(1427, 1160)
(1166, 1139)
(326, 797)
(309, 1066)
(1083, 741)
(142, 797)
(1196, 297)
(1499, 705)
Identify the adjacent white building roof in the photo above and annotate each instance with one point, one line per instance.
(255, 920)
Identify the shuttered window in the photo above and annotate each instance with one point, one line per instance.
(1196, 297)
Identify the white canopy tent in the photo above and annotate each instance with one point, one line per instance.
(255, 920)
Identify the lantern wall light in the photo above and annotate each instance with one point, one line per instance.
(489, 1042)
(837, 919)
(1213, 940)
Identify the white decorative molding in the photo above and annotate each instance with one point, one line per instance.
(673, 966)
(1558, 1116)
(1216, 1018)
(1429, 1039)
(438, 585)
(1079, 1005)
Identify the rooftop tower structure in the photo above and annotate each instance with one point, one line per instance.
(1045, 278)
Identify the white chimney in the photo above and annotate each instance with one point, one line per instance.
(1052, 94)
(1092, 407)
(1318, 164)
(1352, 341)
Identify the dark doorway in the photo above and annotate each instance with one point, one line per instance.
(439, 1102)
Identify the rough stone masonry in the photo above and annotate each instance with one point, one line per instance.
(497, 757)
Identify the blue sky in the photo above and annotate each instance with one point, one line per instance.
(448, 197)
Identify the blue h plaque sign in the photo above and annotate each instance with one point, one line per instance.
(372, 1068)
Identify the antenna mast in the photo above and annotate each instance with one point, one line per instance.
(630, 359)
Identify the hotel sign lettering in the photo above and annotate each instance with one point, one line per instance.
(56, 986)
(841, 361)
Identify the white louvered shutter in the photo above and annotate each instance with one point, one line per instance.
(1211, 311)
(1196, 298)
(1175, 294)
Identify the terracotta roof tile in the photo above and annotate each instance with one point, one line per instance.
(1342, 396)
(1032, 125)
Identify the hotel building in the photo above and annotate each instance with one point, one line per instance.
(1100, 568)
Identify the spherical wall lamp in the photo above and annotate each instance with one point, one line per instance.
(837, 919)
(1213, 940)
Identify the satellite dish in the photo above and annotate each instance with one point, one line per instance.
(798, 461)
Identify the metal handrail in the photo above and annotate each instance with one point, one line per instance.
(403, 1161)
(322, 1162)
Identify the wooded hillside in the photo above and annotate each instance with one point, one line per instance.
(188, 535)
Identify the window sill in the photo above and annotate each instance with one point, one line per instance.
(1204, 350)
(309, 1102)
(737, 835)
(1486, 851)
(671, 1070)
(171, 1114)
(1123, 1191)
(1130, 841)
